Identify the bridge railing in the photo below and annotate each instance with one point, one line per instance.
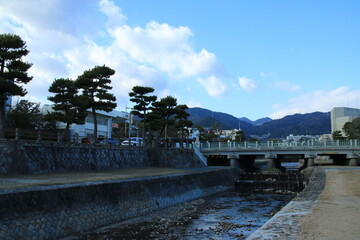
(274, 144)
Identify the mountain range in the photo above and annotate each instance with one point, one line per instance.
(315, 123)
(258, 122)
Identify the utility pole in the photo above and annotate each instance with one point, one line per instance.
(129, 141)
(125, 128)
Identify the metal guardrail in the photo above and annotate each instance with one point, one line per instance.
(281, 145)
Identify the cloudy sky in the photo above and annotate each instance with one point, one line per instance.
(250, 59)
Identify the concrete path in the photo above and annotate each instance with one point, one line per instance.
(15, 183)
(328, 208)
(337, 213)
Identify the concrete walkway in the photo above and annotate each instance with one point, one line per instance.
(337, 213)
(329, 208)
(17, 183)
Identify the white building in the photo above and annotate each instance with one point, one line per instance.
(342, 115)
(104, 123)
(300, 138)
(229, 133)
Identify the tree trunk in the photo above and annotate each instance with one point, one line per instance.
(143, 134)
(182, 138)
(64, 132)
(2, 105)
(144, 120)
(2, 119)
(95, 125)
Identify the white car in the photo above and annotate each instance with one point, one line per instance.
(132, 143)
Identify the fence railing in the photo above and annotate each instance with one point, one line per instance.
(37, 135)
(282, 145)
(51, 137)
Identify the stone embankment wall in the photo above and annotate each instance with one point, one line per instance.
(34, 158)
(55, 211)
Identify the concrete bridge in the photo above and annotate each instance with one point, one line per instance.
(243, 154)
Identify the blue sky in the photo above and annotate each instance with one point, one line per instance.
(247, 58)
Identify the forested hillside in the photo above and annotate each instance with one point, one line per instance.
(315, 123)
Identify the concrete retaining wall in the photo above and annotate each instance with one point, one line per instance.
(53, 212)
(18, 157)
(285, 224)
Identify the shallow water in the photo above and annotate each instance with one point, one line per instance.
(228, 215)
(234, 216)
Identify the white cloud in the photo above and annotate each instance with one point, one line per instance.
(247, 84)
(213, 86)
(165, 47)
(287, 86)
(49, 28)
(128, 73)
(318, 101)
(192, 104)
(269, 74)
(67, 37)
(113, 12)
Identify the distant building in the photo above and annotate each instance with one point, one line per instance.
(194, 133)
(231, 134)
(342, 115)
(300, 138)
(104, 123)
(325, 137)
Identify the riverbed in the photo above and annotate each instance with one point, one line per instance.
(227, 215)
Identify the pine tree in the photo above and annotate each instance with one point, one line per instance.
(182, 122)
(352, 129)
(166, 113)
(165, 110)
(140, 97)
(13, 71)
(94, 84)
(24, 115)
(68, 105)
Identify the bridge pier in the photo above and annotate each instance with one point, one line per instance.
(354, 160)
(234, 161)
(245, 163)
(309, 161)
(274, 164)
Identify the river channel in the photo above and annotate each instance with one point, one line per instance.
(227, 215)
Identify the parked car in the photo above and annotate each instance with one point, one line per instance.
(85, 140)
(111, 141)
(133, 142)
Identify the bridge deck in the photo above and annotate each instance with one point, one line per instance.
(350, 148)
